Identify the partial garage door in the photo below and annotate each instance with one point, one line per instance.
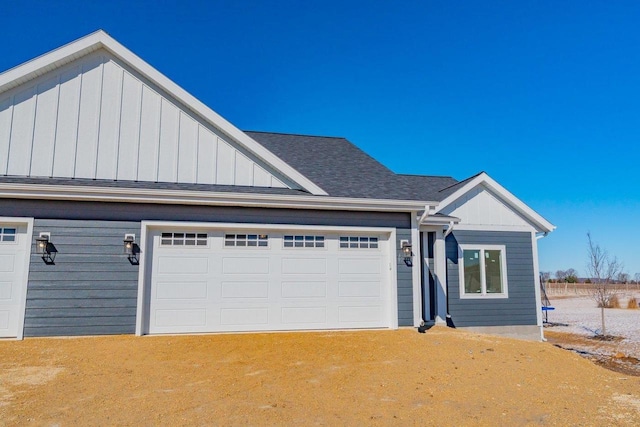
(212, 280)
(14, 246)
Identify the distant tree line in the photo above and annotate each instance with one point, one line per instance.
(571, 276)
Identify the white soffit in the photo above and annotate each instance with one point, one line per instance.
(482, 179)
(101, 40)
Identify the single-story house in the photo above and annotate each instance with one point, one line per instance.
(128, 206)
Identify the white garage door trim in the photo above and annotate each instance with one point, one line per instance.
(23, 246)
(146, 257)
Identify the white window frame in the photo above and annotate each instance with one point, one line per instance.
(483, 277)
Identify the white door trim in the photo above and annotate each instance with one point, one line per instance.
(27, 258)
(144, 272)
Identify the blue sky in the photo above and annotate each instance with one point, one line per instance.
(542, 95)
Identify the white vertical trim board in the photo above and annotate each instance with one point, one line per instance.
(536, 279)
(415, 270)
(25, 267)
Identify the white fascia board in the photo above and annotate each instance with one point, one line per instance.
(99, 39)
(440, 219)
(190, 197)
(541, 224)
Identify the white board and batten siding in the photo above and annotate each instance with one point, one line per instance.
(480, 207)
(216, 288)
(96, 119)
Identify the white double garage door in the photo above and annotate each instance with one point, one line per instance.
(214, 280)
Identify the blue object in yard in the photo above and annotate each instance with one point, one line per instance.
(548, 308)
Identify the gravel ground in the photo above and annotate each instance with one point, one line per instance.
(442, 377)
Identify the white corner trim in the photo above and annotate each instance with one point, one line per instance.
(536, 281)
(393, 279)
(100, 39)
(503, 266)
(483, 179)
(190, 197)
(415, 271)
(26, 264)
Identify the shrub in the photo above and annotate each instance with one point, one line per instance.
(633, 303)
(614, 302)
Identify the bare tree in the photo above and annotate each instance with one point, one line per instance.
(561, 275)
(545, 276)
(571, 276)
(602, 270)
(623, 278)
(637, 277)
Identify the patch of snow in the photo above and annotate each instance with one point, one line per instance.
(581, 316)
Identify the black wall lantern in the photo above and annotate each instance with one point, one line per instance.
(407, 254)
(46, 249)
(131, 249)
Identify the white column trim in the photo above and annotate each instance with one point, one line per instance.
(536, 278)
(415, 270)
(440, 267)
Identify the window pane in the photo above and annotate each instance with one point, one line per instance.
(471, 259)
(493, 270)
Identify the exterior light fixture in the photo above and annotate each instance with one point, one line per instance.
(407, 254)
(45, 248)
(131, 249)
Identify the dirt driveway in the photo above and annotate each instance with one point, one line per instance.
(443, 377)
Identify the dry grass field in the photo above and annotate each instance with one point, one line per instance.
(442, 377)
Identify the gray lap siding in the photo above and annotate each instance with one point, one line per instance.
(520, 307)
(92, 288)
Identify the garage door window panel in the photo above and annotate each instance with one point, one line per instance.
(184, 239)
(358, 242)
(303, 241)
(7, 235)
(246, 240)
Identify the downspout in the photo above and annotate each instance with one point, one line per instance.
(424, 215)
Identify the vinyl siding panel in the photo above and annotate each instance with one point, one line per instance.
(92, 283)
(92, 288)
(520, 307)
(405, 282)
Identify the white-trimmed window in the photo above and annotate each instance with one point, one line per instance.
(358, 242)
(483, 271)
(300, 241)
(246, 240)
(7, 234)
(183, 239)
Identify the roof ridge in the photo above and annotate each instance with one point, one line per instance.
(426, 176)
(294, 134)
(461, 182)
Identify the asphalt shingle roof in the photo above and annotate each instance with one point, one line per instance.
(335, 164)
(342, 169)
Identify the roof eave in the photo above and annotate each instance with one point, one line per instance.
(193, 197)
